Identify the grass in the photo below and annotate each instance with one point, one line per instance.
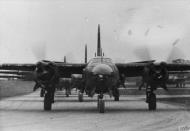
(15, 87)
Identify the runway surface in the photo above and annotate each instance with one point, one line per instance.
(25, 113)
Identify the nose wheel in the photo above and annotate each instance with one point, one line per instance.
(101, 104)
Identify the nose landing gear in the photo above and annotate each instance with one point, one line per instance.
(101, 104)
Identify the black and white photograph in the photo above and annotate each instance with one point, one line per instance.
(94, 65)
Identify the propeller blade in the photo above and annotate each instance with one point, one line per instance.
(39, 50)
(175, 53)
(143, 53)
(175, 42)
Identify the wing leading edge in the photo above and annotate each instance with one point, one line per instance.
(64, 69)
(136, 69)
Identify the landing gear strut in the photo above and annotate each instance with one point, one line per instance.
(49, 97)
(67, 95)
(80, 96)
(47, 101)
(67, 92)
(150, 98)
(116, 94)
(101, 104)
(42, 92)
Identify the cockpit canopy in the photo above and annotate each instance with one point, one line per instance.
(100, 60)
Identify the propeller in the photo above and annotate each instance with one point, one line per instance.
(143, 53)
(46, 72)
(39, 50)
(175, 53)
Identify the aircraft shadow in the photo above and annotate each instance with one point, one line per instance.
(72, 100)
(94, 110)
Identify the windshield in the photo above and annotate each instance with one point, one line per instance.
(98, 60)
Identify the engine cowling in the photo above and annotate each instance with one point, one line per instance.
(46, 73)
(155, 75)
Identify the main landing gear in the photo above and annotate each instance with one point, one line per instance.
(67, 92)
(80, 96)
(150, 98)
(116, 94)
(42, 92)
(48, 99)
(101, 104)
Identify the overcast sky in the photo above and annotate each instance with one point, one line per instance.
(131, 30)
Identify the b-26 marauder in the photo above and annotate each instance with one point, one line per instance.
(99, 76)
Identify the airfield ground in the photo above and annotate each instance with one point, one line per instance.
(18, 87)
(15, 87)
(25, 112)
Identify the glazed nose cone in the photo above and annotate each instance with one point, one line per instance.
(102, 69)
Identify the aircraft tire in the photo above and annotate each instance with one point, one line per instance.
(52, 97)
(67, 95)
(67, 92)
(152, 102)
(116, 98)
(98, 102)
(47, 101)
(80, 97)
(101, 106)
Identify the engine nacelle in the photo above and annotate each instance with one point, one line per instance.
(155, 75)
(46, 73)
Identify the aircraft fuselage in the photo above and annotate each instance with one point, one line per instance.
(101, 76)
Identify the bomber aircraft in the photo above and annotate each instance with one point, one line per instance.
(100, 76)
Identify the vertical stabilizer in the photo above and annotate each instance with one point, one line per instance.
(85, 59)
(99, 42)
(65, 61)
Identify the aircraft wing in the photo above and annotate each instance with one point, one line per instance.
(136, 69)
(64, 69)
(17, 67)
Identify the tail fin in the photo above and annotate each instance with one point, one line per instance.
(65, 60)
(99, 50)
(85, 59)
